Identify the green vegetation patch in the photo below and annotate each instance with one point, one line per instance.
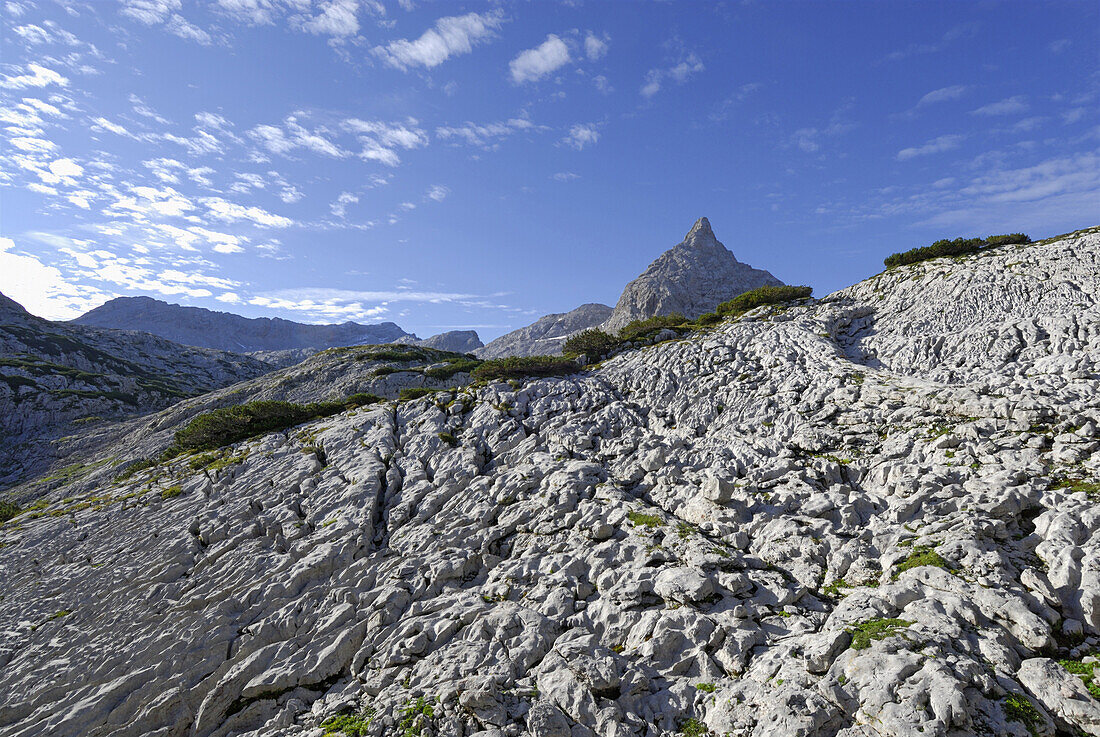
(1086, 672)
(351, 725)
(693, 728)
(230, 425)
(452, 367)
(449, 439)
(171, 492)
(593, 343)
(762, 296)
(518, 367)
(956, 247)
(706, 687)
(8, 510)
(415, 392)
(922, 556)
(864, 633)
(1019, 708)
(361, 399)
(645, 328)
(410, 723)
(1075, 485)
(640, 519)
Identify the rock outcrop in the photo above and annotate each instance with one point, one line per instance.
(691, 278)
(547, 335)
(58, 378)
(227, 332)
(456, 341)
(872, 515)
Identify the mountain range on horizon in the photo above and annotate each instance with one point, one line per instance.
(689, 278)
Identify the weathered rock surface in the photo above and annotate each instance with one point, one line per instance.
(59, 378)
(871, 515)
(457, 341)
(227, 332)
(547, 335)
(691, 278)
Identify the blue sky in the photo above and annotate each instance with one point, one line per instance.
(448, 165)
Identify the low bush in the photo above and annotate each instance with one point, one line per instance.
(742, 303)
(518, 367)
(8, 510)
(139, 465)
(361, 399)
(452, 367)
(956, 247)
(229, 425)
(391, 354)
(708, 318)
(593, 343)
(640, 328)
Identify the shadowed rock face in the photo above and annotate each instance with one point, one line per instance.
(457, 341)
(57, 378)
(691, 278)
(227, 332)
(547, 335)
(871, 515)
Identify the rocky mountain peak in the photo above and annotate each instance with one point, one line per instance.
(692, 277)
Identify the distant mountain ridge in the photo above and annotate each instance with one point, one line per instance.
(197, 326)
(547, 334)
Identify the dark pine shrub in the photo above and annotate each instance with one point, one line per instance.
(644, 328)
(517, 367)
(596, 344)
(762, 296)
(229, 425)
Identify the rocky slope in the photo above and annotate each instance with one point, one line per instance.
(547, 335)
(227, 332)
(871, 515)
(690, 278)
(456, 341)
(58, 378)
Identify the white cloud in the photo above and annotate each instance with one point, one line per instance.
(279, 141)
(164, 12)
(935, 146)
(594, 48)
(379, 139)
(337, 18)
(38, 76)
(565, 176)
(66, 168)
(485, 136)
(451, 36)
(340, 207)
(232, 212)
(679, 72)
(100, 123)
(1008, 106)
(534, 64)
(582, 135)
(42, 289)
(438, 192)
(943, 94)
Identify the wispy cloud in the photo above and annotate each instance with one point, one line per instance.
(451, 36)
(36, 76)
(679, 72)
(1008, 106)
(943, 94)
(935, 146)
(534, 64)
(486, 135)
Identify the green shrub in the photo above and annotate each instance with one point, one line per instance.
(956, 247)
(1006, 240)
(742, 303)
(452, 367)
(139, 465)
(1086, 672)
(391, 354)
(361, 399)
(8, 510)
(876, 629)
(447, 438)
(387, 370)
(517, 367)
(350, 725)
(640, 328)
(706, 687)
(922, 556)
(708, 318)
(171, 492)
(593, 343)
(415, 392)
(1020, 709)
(229, 425)
(640, 519)
(693, 728)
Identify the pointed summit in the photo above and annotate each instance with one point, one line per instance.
(700, 233)
(692, 277)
